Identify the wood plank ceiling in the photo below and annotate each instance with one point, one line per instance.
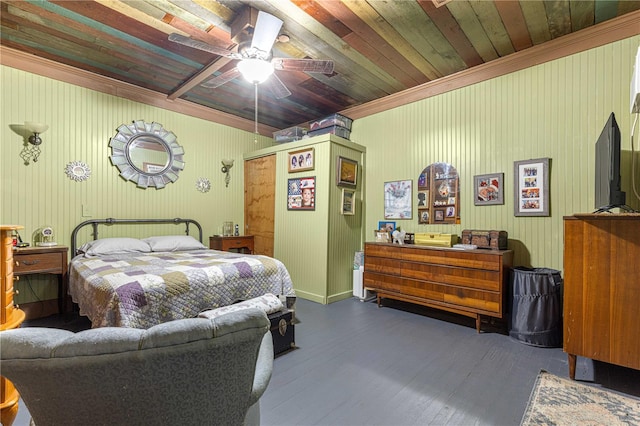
(379, 47)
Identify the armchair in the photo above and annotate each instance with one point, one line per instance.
(186, 372)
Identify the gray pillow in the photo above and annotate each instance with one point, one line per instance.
(106, 246)
(174, 243)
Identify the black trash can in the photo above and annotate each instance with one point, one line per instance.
(536, 306)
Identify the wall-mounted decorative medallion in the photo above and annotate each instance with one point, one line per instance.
(78, 171)
(203, 184)
(146, 154)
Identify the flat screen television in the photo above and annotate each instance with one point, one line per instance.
(608, 192)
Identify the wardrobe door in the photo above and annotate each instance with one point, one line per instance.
(259, 202)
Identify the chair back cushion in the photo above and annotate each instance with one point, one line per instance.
(194, 371)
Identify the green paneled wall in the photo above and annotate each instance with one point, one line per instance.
(554, 110)
(81, 122)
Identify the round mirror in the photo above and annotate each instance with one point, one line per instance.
(146, 154)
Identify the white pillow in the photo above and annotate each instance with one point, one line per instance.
(174, 243)
(114, 246)
(269, 303)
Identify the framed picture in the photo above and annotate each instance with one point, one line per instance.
(346, 172)
(386, 226)
(398, 199)
(301, 193)
(488, 189)
(348, 202)
(531, 188)
(423, 216)
(382, 236)
(439, 215)
(301, 160)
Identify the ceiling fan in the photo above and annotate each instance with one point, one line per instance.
(255, 33)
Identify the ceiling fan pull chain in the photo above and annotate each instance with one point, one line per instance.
(255, 140)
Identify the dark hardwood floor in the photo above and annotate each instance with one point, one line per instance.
(357, 364)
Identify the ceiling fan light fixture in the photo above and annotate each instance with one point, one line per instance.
(255, 70)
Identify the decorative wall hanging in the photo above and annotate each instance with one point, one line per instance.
(78, 171)
(348, 202)
(147, 154)
(531, 189)
(203, 185)
(301, 193)
(347, 172)
(398, 199)
(439, 195)
(488, 189)
(301, 160)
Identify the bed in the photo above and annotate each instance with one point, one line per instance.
(138, 283)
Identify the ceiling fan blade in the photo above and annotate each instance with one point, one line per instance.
(277, 87)
(266, 31)
(306, 65)
(221, 79)
(201, 45)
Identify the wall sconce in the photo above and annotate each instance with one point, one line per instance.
(226, 166)
(31, 151)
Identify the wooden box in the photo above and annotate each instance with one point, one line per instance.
(436, 240)
(282, 331)
(493, 240)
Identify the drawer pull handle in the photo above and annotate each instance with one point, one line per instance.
(16, 278)
(31, 262)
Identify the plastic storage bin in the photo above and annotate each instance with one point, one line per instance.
(289, 134)
(536, 306)
(334, 130)
(332, 120)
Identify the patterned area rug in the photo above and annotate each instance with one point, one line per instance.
(558, 401)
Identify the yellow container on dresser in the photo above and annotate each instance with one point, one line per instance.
(10, 317)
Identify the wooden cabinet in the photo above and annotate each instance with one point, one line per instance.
(602, 288)
(218, 242)
(44, 260)
(10, 317)
(317, 246)
(466, 282)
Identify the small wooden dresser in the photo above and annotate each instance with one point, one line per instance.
(10, 317)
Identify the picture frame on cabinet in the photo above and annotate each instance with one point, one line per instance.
(301, 160)
(531, 187)
(301, 193)
(347, 172)
(488, 189)
(386, 226)
(382, 236)
(348, 202)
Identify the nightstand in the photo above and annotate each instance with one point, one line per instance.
(218, 242)
(44, 260)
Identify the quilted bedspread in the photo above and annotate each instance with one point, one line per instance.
(140, 290)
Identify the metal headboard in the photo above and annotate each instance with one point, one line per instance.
(111, 221)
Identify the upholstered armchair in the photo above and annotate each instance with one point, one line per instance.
(186, 372)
